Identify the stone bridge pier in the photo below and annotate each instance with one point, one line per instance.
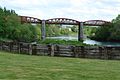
(80, 31)
(43, 30)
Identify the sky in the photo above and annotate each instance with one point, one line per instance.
(81, 10)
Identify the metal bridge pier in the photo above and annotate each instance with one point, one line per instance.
(80, 31)
(43, 30)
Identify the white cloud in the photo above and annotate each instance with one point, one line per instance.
(76, 9)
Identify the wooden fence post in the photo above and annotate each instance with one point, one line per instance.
(0, 45)
(19, 47)
(30, 49)
(100, 52)
(109, 52)
(82, 52)
(105, 53)
(57, 50)
(11, 46)
(52, 50)
(75, 49)
(34, 49)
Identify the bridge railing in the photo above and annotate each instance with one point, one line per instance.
(27, 19)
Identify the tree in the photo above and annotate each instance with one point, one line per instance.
(11, 27)
(102, 33)
(74, 29)
(110, 32)
(52, 30)
(90, 30)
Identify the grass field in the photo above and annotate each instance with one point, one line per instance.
(26, 67)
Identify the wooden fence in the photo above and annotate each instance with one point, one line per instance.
(96, 52)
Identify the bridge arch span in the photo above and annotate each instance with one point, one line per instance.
(27, 19)
(67, 21)
(96, 22)
(62, 21)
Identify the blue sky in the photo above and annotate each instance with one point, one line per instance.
(81, 10)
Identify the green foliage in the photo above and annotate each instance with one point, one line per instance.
(26, 33)
(89, 31)
(117, 20)
(12, 29)
(74, 29)
(38, 32)
(9, 21)
(65, 31)
(103, 32)
(57, 30)
(63, 42)
(52, 30)
(110, 32)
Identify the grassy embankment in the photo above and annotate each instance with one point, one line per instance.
(63, 42)
(26, 67)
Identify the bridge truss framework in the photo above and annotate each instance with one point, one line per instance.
(27, 19)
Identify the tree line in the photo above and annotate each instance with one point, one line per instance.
(12, 29)
(58, 30)
(109, 32)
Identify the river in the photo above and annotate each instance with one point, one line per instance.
(87, 41)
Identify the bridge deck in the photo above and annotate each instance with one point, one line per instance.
(27, 19)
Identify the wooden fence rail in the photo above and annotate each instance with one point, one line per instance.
(96, 52)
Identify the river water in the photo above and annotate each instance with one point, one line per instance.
(87, 41)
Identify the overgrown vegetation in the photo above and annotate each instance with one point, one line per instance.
(110, 32)
(63, 42)
(12, 29)
(90, 30)
(25, 67)
(52, 30)
(59, 30)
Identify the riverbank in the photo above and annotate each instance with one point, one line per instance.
(104, 40)
(63, 42)
(86, 41)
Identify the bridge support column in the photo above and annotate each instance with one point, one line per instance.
(43, 30)
(80, 31)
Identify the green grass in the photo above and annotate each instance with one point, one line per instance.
(63, 42)
(26, 67)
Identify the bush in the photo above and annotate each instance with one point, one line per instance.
(110, 32)
(12, 29)
(63, 42)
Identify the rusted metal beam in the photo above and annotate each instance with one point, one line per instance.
(27, 19)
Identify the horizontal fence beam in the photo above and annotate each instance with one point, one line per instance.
(95, 52)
